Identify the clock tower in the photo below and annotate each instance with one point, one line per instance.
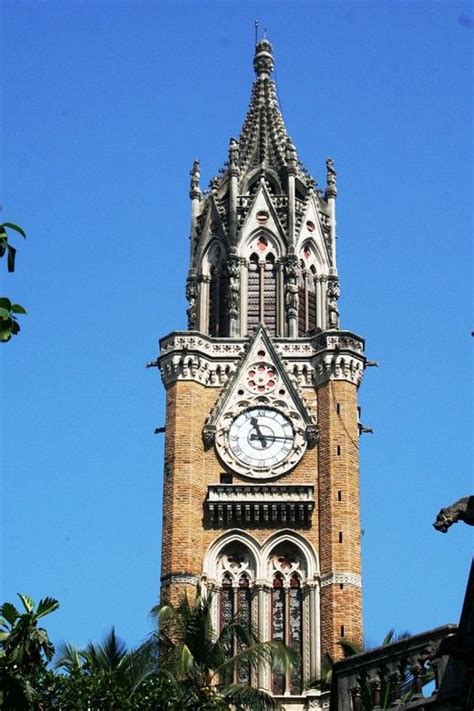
(261, 475)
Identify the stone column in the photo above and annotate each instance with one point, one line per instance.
(313, 634)
(263, 601)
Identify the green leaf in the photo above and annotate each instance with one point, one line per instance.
(7, 330)
(18, 309)
(5, 303)
(11, 258)
(46, 606)
(15, 227)
(28, 602)
(9, 612)
(4, 314)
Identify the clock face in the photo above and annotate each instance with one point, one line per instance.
(261, 437)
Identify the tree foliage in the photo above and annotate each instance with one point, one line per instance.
(25, 649)
(183, 664)
(209, 670)
(9, 311)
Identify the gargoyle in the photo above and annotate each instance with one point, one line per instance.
(462, 510)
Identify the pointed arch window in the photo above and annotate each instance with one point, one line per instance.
(287, 619)
(218, 322)
(262, 291)
(235, 600)
(253, 291)
(278, 625)
(307, 306)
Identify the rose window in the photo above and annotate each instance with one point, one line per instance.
(261, 378)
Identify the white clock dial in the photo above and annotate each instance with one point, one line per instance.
(261, 437)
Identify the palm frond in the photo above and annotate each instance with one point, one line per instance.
(46, 606)
(242, 697)
(68, 657)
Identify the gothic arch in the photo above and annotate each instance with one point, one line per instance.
(276, 585)
(288, 536)
(274, 242)
(212, 257)
(253, 181)
(211, 567)
(310, 252)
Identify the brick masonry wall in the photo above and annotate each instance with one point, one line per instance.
(339, 510)
(189, 469)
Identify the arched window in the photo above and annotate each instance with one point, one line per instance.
(262, 289)
(236, 570)
(301, 300)
(253, 291)
(279, 615)
(273, 585)
(295, 628)
(218, 322)
(269, 294)
(307, 318)
(287, 613)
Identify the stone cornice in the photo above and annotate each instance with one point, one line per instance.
(331, 355)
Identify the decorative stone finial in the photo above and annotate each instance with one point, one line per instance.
(331, 189)
(291, 157)
(234, 155)
(263, 61)
(195, 190)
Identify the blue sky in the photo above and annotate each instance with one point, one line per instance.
(105, 105)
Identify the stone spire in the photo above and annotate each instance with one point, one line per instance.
(263, 140)
(263, 239)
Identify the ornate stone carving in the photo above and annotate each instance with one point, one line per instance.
(247, 505)
(234, 156)
(237, 398)
(312, 436)
(195, 190)
(263, 60)
(333, 293)
(233, 271)
(331, 189)
(461, 510)
(312, 361)
(191, 295)
(208, 435)
(291, 294)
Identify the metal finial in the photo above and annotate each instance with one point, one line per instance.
(256, 32)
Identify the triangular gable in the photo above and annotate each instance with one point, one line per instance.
(316, 235)
(262, 201)
(261, 379)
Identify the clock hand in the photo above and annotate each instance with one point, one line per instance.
(252, 436)
(260, 436)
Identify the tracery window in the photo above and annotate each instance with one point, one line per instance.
(236, 568)
(287, 614)
(307, 312)
(272, 585)
(262, 288)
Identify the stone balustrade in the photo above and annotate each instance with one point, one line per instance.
(392, 676)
